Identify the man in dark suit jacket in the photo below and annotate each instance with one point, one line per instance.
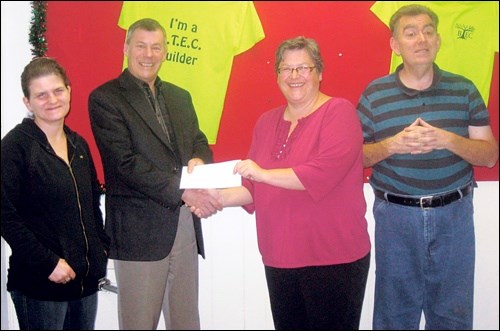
(146, 131)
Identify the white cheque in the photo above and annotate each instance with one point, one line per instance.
(214, 175)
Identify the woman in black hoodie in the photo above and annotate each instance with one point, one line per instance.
(51, 215)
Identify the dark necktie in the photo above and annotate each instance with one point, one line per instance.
(157, 109)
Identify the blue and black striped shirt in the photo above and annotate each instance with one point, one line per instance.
(451, 103)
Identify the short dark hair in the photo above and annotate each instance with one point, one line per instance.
(38, 67)
(411, 10)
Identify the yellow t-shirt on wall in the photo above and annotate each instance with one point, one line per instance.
(203, 38)
(469, 37)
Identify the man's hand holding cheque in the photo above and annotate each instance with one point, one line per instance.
(200, 183)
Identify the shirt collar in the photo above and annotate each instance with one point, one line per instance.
(412, 92)
(143, 84)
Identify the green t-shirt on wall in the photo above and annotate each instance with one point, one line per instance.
(203, 38)
(469, 37)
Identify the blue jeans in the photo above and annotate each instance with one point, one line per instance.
(55, 315)
(424, 262)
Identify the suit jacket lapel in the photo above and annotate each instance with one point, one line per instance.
(136, 98)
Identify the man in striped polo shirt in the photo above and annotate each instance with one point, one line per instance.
(424, 129)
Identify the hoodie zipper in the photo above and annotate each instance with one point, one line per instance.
(82, 224)
(77, 191)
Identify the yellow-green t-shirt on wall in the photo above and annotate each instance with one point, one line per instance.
(469, 37)
(203, 38)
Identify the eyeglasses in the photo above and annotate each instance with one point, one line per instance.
(302, 70)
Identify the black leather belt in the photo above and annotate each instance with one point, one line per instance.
(430, 201)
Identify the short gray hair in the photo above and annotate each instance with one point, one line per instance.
(147, 24)
(310, 45)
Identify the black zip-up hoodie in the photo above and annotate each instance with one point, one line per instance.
(49, 211)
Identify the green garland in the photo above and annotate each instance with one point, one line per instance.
(38, 28)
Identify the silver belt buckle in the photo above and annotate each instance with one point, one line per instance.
(425, 199)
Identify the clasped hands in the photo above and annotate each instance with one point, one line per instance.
(419, 138)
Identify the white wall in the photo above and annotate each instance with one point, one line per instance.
(15, 55)
(233, 292)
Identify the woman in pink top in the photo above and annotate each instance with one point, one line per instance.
(304, 180)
